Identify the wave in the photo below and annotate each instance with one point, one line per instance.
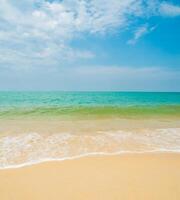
(30, 148)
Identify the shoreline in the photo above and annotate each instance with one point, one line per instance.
(25, 143)
(91, 155)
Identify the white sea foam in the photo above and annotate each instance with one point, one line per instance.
(30, 148)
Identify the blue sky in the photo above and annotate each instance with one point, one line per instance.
(90, 45)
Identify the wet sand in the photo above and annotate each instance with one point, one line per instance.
(44, 126)
(127, 177)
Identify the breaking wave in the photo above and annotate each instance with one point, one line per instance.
(30, 148)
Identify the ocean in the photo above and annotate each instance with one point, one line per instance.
(87, 104)
(8, 99)
(43, 126)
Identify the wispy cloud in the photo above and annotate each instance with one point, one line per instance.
(140, 32)
(39, 32)
(169, 10)
(32, 30)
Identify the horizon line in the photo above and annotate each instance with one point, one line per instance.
(145, 91)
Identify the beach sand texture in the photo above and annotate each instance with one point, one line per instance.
(127, 177)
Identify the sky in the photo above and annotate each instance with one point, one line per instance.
(94, 45)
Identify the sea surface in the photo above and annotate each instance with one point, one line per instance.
(24, 99)
(87, 104)
(92, 108)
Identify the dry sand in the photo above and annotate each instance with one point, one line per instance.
(122, 177)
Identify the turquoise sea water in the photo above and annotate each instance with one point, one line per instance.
(54, 104)
(24, 99)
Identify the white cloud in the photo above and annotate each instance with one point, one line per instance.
(169, 10)
(140, 32)
(39, 31)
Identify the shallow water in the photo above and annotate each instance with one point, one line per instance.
(88, 104)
